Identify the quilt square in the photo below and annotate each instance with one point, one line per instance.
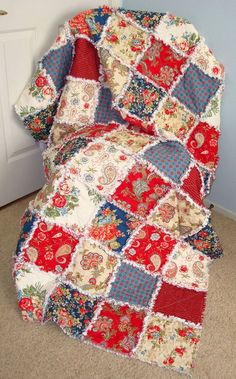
(174, 118)
(170, 343)
(32, 286)
(178, 215)
(179, 33)
(132, 285)
(203, 144)
(170, 157)
(206, 61)
(113, 226)
(206, 241)
(161, 64)
(192, 185)
(68, 149)
(102, 177)
(125, 40)
(57, 64)
(147, 20)
(180, 302)
(70, 309)
(116, 328)
(195, 89)
(50, 247)
(74, 107)
(187, 268)
(150, 248)
(91, 268)
(104, 111)
(141, 190)
(134, 142)
(141, 98)
(27, 222)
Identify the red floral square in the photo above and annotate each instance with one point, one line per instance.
(117, 328)
(192, 185)
(161, 64)
(50, 247)
(150, 247)
(180, 302)
(203, 144)
(140, 190)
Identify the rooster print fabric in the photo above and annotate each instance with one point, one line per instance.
(116, 246)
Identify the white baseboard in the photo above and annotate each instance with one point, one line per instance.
(222, 210)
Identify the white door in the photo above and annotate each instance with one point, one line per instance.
(26, 32)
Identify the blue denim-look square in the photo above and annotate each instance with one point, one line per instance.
(133, 286)
(57, 64)
(170, 157)
(195, 89)
(104, 112)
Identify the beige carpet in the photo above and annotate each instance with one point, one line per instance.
(30, 351)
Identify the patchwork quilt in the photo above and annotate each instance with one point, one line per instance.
(116, 247)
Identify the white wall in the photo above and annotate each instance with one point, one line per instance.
(216, 21)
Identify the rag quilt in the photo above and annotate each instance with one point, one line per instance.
(116, 246)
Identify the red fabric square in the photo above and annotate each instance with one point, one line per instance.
(50, 248)
(117, 328)
(85, 52)
(140, 190)
(192, 185)
(180, 302)
(161, 64)
(150, 247)
(203, 144)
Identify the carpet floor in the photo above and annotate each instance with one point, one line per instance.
(30, 351)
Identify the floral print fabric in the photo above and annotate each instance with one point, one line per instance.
(116, 247)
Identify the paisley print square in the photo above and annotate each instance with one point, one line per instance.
(203, 144)
(187, 268)
(150, 248)
(70, 309)
(141, 98)
(91, 268)
(141, 190)
(195, 89)
(132, 285)
(116, 328)
(125, 40)
(170, 157)
(77, 102)
(174, 118)
(182, 302)
(169, 343)
(50, 247)
(133, 142)
(161, 64)
(113, 226)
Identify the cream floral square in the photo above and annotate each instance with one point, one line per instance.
(78, 102)
(133, 142)
(206, 61)
(126, 42)
(116, 74)
(187, 268)
(174, 118)
(178, 32)
(91, 269)
(178, 215)
(169, 343)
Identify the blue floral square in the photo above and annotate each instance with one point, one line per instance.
(148, 20)
(170, 157)
(133, 286)
(70, 309)
(28, 220)
(141, 98)
(113, 226)
(195, 89)
(57, 64)
(97, 21)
